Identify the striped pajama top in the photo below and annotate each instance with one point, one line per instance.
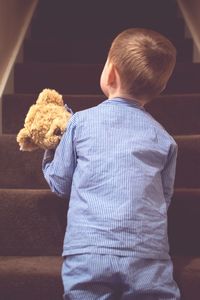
(116, 164)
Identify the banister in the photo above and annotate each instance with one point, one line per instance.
(191, 14)
(15, 18)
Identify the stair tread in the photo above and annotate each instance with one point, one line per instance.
(46, 191)
(33, 263)
(180, 137)
(169, 97)
(180, 66)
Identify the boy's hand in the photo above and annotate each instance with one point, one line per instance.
(68, 109)
(48, 156)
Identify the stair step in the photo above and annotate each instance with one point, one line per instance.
(179, 114)
(185, 78)
(184, 222)
(70, 79)
(30, 278)
(101, 29)
(186, 274)
(15, 108)
(23, 169)
(90, 19)
(20, 275)
(35, 219)
(19, 169)
(68, 51)
(188, 161)
(44, 215)
(85, 51)
(84, 78)
(68, 9)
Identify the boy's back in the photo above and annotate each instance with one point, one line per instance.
(117, 194)
(117, 164)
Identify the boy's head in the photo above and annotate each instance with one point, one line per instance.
(143, 60)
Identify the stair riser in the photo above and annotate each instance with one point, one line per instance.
(23, 169)
(13, 122)
(19, 169)
(178, 114)
(96, 19)
(84, 79)
(184, 223)
(44, 215)
(31, 278)
(70, 79)
(84, 51)
(89, 32)
(35, 223)
(188, 162)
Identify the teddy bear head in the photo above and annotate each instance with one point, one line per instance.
(45, 122)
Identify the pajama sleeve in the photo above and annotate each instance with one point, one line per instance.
(168, 174)
(58, 166)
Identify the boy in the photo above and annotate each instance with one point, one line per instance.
(117, 165)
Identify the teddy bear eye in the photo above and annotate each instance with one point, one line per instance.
(57, 131)
(28, 140)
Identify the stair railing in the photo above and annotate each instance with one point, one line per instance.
(15, 17)
(191, 14)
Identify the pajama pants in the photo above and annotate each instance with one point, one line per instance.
(109, 277)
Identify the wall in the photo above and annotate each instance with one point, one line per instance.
(191, 12)
(15, 17)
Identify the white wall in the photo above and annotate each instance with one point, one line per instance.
(15, 17)
(191, 12)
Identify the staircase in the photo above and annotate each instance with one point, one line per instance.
(66, 50)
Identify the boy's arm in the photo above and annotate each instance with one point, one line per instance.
(168, 174)
(58, 165)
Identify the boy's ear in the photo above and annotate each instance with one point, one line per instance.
(111, 79)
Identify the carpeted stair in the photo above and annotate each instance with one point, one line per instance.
(66, 50)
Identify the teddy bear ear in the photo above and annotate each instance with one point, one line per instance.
(25, 142)
(50, 96)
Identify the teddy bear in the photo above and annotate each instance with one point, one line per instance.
(45, 122)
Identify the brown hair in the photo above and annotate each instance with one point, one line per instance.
(144, 60)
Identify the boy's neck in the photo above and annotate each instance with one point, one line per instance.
(127, 97)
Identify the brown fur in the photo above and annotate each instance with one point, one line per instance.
(45, 122)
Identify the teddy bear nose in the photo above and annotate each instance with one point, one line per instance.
(57, 131)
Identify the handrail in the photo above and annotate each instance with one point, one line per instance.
(191, 13)
(15, 18)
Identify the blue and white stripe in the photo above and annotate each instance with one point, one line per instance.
(117, 165)
(109, 277)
